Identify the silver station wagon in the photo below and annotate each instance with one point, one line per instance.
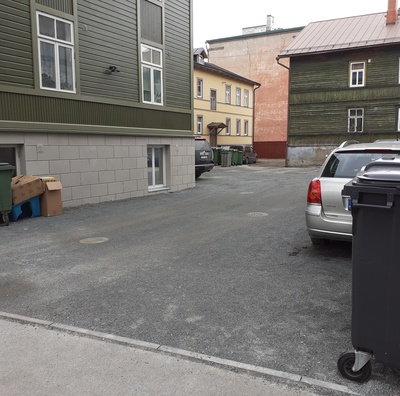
(327, 214)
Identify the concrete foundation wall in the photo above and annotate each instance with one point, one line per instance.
(307, 155)
(97, 168)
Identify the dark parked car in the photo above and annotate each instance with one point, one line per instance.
(203, 157)
(249, 155)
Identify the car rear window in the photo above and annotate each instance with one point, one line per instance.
(348, 164)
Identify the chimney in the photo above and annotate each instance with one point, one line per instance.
(392, 12)
(270, 23)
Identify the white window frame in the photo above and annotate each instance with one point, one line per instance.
(154, 67)
(398, 119)
(354, 115)
(228, 94)
(199, 87)
(399, 73)
(213, 100)
(246, 128)
(238, 96)
(356, 73)
(58, 44)
(228, 126)
(151, 163)
(200, 125)
(246, 98)
(238, 127)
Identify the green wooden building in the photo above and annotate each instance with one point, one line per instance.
(344, 84)
(98, 94)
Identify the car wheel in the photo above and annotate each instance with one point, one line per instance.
(319, 241)
(345, 366)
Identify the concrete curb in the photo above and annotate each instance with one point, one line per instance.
(224, 363)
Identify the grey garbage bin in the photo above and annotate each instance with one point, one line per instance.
(226, 158)
(374, 199)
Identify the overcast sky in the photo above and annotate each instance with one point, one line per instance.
(224, 18)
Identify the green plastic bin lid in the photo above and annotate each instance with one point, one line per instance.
(6, 166)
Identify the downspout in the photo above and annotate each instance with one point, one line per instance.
(281, 64)
(254, 112)
(288, 107)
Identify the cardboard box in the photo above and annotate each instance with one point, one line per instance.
(24, 187)
(51, 201)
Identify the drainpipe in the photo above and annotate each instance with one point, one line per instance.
(254, 105)
(288, 107)
(281, 64)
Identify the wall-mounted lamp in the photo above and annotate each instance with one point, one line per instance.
(113, 69)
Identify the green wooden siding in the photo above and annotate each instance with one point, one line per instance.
(16, 64)
(70, 111)
(320, 96)
(108, 36)
(65, 6)
(178, 54)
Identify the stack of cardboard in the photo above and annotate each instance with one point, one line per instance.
(24, 188)
(50, 201)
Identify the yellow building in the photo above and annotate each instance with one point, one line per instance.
(223, 103)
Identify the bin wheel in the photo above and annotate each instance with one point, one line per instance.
(345, 366)
(6, 220)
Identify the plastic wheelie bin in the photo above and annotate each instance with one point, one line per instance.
(235, 157)
(6, 173)
(226, 158)
(373, 197)
(217, 155)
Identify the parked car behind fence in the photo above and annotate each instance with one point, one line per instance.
(249, 155)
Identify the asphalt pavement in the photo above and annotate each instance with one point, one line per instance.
(210, 290)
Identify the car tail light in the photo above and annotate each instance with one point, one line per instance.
(314, 192)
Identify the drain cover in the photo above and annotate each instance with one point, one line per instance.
(94, 240)
(257, 214)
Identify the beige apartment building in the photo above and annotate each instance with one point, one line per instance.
(253, 56)
(223, 103)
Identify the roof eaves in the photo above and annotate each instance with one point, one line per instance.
(210, 67)
(258, 34)
(336, 48)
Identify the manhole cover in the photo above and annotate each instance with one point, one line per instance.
(247, 192)
(257, 214)
(94, 240)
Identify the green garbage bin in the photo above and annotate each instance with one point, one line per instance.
(6, 173)
(240, 157)
(217, 155)
(237, 157)
(234, 156)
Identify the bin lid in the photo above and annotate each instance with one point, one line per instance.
(6, 166)
(384, 170)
